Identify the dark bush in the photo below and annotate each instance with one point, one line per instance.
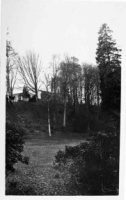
(80, 122)
(94, 166)
(19, 188)
(14, 146)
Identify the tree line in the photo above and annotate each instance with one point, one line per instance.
(93, 166)
(76, 84)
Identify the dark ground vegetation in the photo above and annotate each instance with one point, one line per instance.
(60, 165)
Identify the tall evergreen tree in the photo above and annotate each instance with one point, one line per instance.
(109, 64)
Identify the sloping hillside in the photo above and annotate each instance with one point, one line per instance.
(33, 119)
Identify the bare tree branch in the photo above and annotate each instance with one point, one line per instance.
(30, 69)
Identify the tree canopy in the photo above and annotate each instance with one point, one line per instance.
(109, 63)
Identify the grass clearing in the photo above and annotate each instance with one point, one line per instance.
(40, 177)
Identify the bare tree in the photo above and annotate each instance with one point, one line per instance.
(74, 81)
(54, 82)
(30, 68)
(11, 67)
(64, 74)
(70, 76)
(91, 87)
(13, 79)
(47, 84)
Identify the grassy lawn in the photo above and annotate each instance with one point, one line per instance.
(40, 177)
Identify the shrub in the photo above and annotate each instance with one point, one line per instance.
(94, 166)
(16, 187)
(80, 123)
(14, 146)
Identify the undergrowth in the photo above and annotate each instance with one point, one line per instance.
(94, 166)
(14, 146)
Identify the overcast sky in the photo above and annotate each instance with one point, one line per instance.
(58, 27)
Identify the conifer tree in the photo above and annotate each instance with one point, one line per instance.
(109, 64)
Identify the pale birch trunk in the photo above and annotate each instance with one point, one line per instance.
(49, 126)
(54, 115)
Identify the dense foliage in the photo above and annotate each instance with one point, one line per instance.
(109, 64)
(94, 166)
(14, 146)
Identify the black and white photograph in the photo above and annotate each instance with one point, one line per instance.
(61, 92)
